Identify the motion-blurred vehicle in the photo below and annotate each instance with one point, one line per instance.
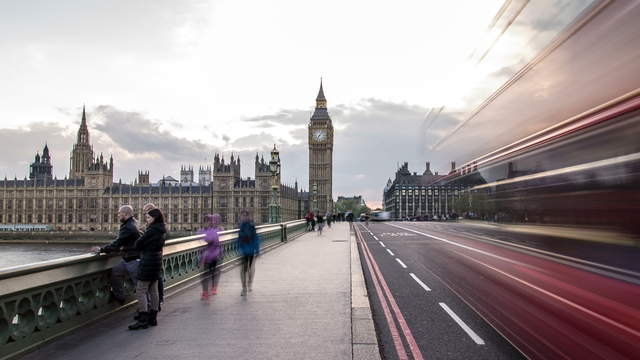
(380, 216)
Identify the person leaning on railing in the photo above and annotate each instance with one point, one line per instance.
(150, 246)
(124, 243)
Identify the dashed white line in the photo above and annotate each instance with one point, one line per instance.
(464, 326)
(401, 263)
(424, 286)
(381, 243)
(390, 253)
(375, 237)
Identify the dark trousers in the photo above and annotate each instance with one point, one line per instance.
(248, 270)
(210, 271)
(118, 274)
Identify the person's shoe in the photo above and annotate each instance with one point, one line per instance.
(142, 323)
(244, 292)
(205, 295)
(153, 314)
(160, 306)
(214, 290)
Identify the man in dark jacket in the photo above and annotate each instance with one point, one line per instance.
(249, 244)
(124, 243)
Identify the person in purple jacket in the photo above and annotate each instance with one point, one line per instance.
(211, 255)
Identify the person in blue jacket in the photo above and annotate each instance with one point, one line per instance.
(249, 244)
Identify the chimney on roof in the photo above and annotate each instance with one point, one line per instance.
(453, 166)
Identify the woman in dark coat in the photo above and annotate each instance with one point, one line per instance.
(150, 246)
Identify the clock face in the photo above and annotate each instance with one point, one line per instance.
(320, 135)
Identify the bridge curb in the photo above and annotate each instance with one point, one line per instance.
(364, 342)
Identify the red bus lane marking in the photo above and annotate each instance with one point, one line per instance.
(548, 293)
(395, 335)
(413, 346)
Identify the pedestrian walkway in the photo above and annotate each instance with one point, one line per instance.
(300, 308)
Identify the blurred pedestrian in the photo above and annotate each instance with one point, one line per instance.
(211, 256)
(308, 218)
(124, 243)
(150, 246)
(320, 220)
(328, 217)
(249, 244)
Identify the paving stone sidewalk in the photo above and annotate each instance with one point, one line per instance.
(300, 308)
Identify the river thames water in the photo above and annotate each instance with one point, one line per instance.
(21, 254)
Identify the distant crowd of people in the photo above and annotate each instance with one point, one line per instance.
(141, 251)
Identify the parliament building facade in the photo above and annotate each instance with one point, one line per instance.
(88, 199)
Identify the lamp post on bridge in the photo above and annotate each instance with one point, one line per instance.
(314, 207)
(274, 168)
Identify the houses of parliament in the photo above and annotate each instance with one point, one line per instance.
(88, 199)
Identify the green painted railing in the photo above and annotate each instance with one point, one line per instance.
(42, 301)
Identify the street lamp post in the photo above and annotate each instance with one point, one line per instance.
(315, 198)
(274, 168)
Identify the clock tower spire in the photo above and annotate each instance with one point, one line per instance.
(321, 157)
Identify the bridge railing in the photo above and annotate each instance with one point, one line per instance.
(42, 301)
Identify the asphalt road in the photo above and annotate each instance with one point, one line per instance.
(451, 291)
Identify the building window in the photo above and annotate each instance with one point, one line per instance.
(59, 218)
(80, 206)
(206, 203)
(195, 203)
(237, 201)
(195, 218)
(185, 217)
(19, 218)
(251, 202)
(80, 218)
(9, 218)
(70, 218)
(10, 204)
(39, 218)
(49, 218)
(175, 218)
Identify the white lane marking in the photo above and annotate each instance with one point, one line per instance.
(548, 293)
(401, 263)
(390, 253)
(375, 237)
(381, 243)
(424, 286)
(464, 326)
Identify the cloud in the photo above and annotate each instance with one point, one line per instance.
(363, 158)
(283, 117)
(138, 135)
(20, 146)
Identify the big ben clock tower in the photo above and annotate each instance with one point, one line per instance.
(320, 157)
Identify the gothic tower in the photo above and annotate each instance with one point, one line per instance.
(41, 167)
(82, 153)
(320, 157)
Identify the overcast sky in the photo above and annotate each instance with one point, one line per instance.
(171, 82)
